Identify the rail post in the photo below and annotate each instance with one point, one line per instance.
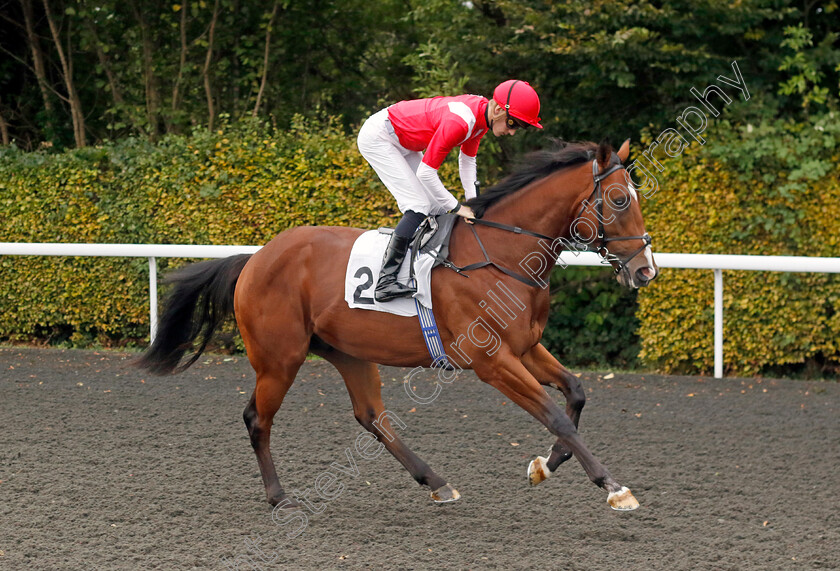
(718, 324)
(153, 315)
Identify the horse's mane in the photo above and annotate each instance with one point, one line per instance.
(533, 167)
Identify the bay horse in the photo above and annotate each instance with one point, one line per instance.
(288, 301)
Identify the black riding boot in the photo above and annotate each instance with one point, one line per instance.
(387, 287)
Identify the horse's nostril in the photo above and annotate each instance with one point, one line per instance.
(645, 274)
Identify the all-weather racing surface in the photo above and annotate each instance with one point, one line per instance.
(105, 467)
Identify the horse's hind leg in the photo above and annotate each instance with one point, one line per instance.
(549, 372)
(273, 382)
(363, 384)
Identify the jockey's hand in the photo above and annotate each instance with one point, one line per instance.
(467, 213)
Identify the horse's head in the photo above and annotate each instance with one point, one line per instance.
(610, 219)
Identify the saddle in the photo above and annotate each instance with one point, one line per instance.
(366, 257)
(432, 236)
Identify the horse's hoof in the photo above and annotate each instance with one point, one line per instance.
(283, 502)
(622, 500)
(445, 494)
(538, 470)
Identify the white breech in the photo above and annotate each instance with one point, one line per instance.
(396, 166)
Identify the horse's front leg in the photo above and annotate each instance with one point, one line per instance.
(550, 372)
(508, 374)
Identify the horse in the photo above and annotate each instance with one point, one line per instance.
(288, 302)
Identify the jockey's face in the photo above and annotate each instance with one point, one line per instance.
(498, 119)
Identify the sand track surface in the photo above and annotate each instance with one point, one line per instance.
(105, 467)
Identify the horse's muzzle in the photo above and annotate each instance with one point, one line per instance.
(643, 276)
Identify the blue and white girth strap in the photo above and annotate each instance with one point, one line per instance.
(432, 337)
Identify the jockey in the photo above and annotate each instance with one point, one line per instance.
(393, 141)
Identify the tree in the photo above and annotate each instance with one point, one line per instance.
(38, 61)
(4, 127)
(208, 90)
(264, 79)
(66, 58)
(104, 69)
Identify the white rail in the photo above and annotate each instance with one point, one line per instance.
(150, 251)
(716, 262)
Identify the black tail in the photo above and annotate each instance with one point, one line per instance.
(207, 287)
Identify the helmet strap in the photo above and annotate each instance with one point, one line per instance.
(507, 103)
(510, 91)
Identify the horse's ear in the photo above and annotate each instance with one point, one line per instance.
(603, 154)
(624, 151)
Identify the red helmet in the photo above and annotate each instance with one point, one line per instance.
(520, 100)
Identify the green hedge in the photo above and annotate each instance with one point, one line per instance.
(771, 319)
(593, 320)
(240, 185)
(245, 183)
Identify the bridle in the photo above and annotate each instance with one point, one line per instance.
(602, 250)
(619, 265)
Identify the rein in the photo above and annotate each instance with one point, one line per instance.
(601, 249)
